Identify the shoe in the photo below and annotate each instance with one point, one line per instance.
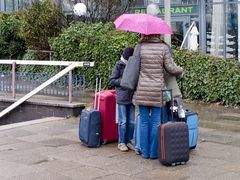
(130, 146)
(138, 152)
(122, 147)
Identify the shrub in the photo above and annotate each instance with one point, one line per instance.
(39, 22)
(100, 43)
(11, 45)
(208, 78)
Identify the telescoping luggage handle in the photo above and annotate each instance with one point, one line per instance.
(97, 89)
(171, 99)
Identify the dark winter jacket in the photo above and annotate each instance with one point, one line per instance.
(124, 96)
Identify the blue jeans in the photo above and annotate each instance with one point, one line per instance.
(150, 119)
(126, 113)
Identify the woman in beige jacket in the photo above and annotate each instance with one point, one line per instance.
(155, 58)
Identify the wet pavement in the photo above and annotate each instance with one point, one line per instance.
(49, 149)
(216, 116)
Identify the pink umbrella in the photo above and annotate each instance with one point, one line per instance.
(142, 23)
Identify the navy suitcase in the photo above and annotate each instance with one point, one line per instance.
(90, 123)
(173, 140)
(90, 128)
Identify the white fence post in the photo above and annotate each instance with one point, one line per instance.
(14, 79)
(70, 87)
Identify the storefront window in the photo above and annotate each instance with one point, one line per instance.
(215, 29)
(9, 5)
(222, 28)
(231, 31)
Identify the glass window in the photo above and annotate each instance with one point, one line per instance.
(214, 1)
(174, 1)
(215, 29)
(232, 30)
(223, 28)
(137, 3)
(9, 5)
(190, 1)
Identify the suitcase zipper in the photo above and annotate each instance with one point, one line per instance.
(162, 142)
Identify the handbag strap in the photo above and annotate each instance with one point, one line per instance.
(137, 50)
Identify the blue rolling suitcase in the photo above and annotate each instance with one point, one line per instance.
(192, 119)
(90, 123)
(192, 122)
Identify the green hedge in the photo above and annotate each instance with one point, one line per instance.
(209, 78)
(100, 43)
(205, 78)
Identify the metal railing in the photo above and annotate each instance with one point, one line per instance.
(50, 53)
(26, 82)
(68, 69)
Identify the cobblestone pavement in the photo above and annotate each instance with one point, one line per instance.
(50, 150)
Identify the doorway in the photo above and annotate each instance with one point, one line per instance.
(179, 26)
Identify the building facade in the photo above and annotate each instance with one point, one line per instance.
(217, 21)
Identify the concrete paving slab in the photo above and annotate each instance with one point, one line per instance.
(35, 138)
(8, 140)
(17, 133)
(56, 142)
(85, 173)
(26, 123)
(226, 176)
(17, 146)
(26, 158)
(73, 156)
(40, 176)
(11, 169)
(159, 174)
(115, 177)
(55, 165)
(99, 161)
(128, 168)
(69, 136)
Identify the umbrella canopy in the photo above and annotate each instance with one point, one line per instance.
(142, 23)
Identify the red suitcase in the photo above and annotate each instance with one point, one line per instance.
(109, 127)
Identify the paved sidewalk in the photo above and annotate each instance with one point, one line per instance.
(50, 150)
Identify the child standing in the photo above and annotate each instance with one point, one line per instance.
(126, 110)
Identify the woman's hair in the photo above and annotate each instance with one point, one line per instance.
(145, 37)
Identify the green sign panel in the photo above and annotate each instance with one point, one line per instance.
(182, 10)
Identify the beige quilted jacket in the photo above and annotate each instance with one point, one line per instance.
(155, 57)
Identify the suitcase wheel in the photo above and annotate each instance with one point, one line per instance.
(173, 164)
(104, 142)
(193, 147)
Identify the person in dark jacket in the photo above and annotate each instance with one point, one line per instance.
(126, 110)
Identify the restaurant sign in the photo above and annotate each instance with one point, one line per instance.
(178, 10)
